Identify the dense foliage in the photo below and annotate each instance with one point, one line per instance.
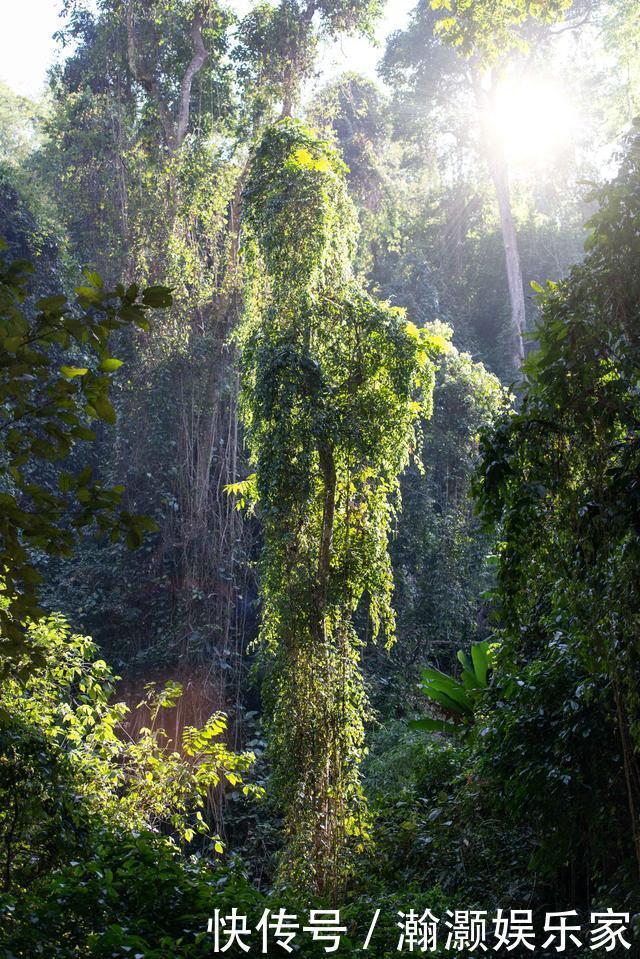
(333, 386)
(560, 475)
(355, 515)
(48, 405)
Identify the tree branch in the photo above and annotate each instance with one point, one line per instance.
(146, 79)
(174, 130)
(196, 64)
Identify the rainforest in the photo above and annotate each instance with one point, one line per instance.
(319, 478)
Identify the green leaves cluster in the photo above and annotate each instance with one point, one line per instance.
(489, 29)
(55, 372)
(68, 763)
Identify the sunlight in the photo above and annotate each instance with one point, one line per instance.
(534, 120)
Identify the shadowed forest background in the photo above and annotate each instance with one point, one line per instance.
(320, 416)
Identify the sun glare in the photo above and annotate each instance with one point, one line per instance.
(534, 120)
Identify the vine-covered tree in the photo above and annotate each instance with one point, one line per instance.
(155, 114)
(333, 385)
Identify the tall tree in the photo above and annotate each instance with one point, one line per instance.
(444, 53)
(333, 386)
(278, 42)
(144, 164)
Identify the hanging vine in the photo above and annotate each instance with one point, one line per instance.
(333, 386)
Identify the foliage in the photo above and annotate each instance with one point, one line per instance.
(136, 203)
(354, 111)
(49, 402)
(67, 760)
(18, 116)
(441, 556)
(100, 904)
(548, 758)
(456, 697)
(435, 837)
(29, 234)
(145, 163)
(489, 28)
(333, 385)
(560, 478)
(538, 802)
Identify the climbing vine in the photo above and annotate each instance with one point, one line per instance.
(333, 387)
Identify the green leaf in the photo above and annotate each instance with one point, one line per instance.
(480, 661)
(440, 697)
(71, 371)
(104, 409)
(110, 364)
(94, 278)
(470, 680)
(157, 297)
(89, 293)
(52, 304)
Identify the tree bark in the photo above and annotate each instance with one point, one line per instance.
(146, 79)
(292, 79)
(196, 64)
(500, 176)
(176, 129)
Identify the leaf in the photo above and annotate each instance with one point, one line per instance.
(438, 696)
(110, 364)
(480, 662)
(89, 293)
(464, 660)
(470, 680)
(94, 279)
(157, 297)
(104, 409)
(51, 304)
(71, 371)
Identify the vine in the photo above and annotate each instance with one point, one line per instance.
(333, 387)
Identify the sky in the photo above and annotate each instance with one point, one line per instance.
(27, 48)
(26, 45)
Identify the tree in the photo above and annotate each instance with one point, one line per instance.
(353, 111)
(333, 386)
(147, 153)
(18, 117)
(278, 42)
(140, 196)
(441, 551)
(444, 53)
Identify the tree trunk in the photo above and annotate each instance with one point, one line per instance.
(500, 176)
(175, 129)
